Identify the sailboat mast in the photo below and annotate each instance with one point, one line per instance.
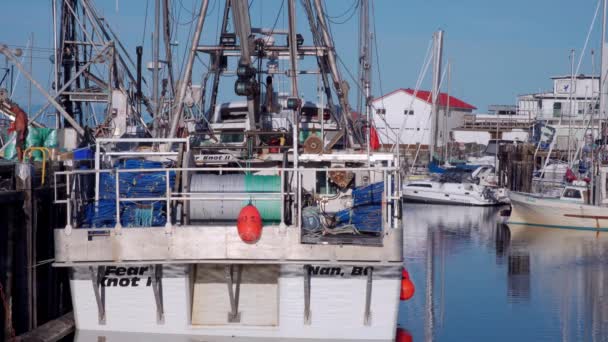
(437, 56)
(603, 70)
(446, 115)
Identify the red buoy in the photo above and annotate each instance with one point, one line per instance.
(403, 336)
(249, 224)
(407, 286)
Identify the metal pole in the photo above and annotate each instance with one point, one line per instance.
(365, 69)
(155, 53)
(187, 77)
(603, 70)
(571, 103)
(446, 114)
(55, 58)
(294, 80)
(29, 88)
(167, 41)
(242, 25)
(293, 48)
(335, 73)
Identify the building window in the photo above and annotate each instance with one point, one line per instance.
(408, 112)
(581, 108)
(381, 111)
(557, 109)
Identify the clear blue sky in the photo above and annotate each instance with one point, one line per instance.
(498, 49)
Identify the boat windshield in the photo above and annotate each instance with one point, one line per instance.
(456, 176)
(574, 195)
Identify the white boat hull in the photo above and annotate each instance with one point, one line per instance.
(554, 213)
(446, 193)
(197, 303)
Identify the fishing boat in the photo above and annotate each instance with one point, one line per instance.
(264, 217)
(571, 210)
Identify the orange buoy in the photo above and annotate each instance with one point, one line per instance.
(407, 286)
(403, 336)
(249, 224)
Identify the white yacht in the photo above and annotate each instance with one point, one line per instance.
(454, 187)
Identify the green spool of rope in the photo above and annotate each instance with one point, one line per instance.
(270, 210)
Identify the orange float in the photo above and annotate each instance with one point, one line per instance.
(249, 224)
(403, 336)
(407, 286)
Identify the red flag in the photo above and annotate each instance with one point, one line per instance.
(374, 141)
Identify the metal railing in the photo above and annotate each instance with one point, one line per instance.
(389, 176)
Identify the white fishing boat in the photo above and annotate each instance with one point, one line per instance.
(571, 210)
(272, 219)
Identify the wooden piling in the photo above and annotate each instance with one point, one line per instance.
(516, 166)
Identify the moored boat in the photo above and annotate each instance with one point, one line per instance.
(571, 210)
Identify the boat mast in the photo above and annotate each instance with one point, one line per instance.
(340, 86)
(603, 71)
(437, 56)
(293, 46)
(187, 76)
(571, 100)
(155, 66)
(446, 114)
(603, 97)
(364, 97)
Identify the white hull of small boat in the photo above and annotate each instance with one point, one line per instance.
(537, 211)
(448, 193)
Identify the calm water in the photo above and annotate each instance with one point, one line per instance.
(477, 280)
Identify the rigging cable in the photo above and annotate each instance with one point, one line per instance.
(425, 67)
(143, 37)
(353, 7)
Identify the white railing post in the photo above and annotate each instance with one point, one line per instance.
(385, 212)
(298, 200)
(97, 175)
(282, 225)
(68, 225)
(118, 226)
(168, 201)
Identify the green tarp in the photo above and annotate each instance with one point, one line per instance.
(36, 137)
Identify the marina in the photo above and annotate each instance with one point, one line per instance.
(235, 170)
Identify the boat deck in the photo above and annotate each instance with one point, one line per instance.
(217, 244)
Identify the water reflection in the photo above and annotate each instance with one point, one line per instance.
(478, 280)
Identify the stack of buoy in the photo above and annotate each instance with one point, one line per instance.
(249, 224)
(407, 286)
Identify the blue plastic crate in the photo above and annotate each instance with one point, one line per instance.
(83, 154)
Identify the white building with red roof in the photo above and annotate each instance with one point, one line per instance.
(412, 110)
